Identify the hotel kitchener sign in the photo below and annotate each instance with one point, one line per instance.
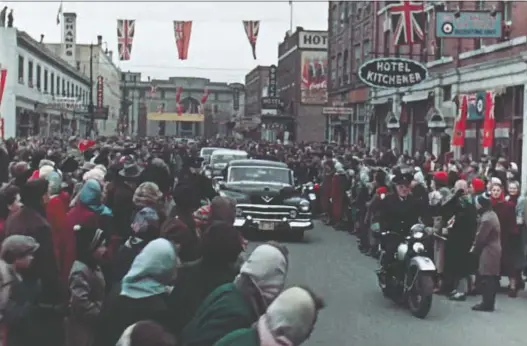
(392, 73)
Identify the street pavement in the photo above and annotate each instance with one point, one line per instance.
(358, 315)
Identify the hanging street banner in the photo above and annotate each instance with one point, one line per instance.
(392, 73)
(182, 31)
(125, 38)
(252, 28)
(468, 24)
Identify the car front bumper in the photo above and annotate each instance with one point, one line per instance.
(278, 225)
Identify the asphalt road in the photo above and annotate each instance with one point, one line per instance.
(358, 315)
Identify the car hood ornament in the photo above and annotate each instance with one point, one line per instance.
(267, 199)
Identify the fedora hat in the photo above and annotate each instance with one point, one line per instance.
(130, 171)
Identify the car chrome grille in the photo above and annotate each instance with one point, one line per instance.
(268, 212)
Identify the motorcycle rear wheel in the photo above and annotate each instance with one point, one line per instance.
(420, 298)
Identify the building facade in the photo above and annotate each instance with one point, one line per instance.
(101, 65)
(256, 87)
(153, 108)
(351, 41)
(302, 83)
(459, 67)
(43, 92)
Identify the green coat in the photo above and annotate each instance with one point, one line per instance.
(240, 337)
(222, 312)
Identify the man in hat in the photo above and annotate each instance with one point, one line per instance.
(400, 211)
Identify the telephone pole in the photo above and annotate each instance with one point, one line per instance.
(91, 112)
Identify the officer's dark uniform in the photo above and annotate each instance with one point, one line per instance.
(198, 182)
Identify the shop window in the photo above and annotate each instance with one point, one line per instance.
(20, 69)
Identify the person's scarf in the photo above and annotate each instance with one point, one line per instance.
(495, 201)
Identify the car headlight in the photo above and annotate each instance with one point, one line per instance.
(293, 214)
(304, 206)
(418, 247)
(239, 212)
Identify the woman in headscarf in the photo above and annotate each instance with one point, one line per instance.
(239, 304)
(56, 212)
(145, 228)
(509, 234)
(88, 212)
(517, 239)
(289, 320)
(221, 249)
(148, 195)
(461, 222)
(9, 203)
(142, 294)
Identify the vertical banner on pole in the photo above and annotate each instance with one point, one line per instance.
(125, 38)
(182, 31)
(252, 28)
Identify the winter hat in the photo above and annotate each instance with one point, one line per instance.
(55, 183)
(45, 170)
(146, 333)
(147, 194)
(46, 162)
(496, 181)
(145, 220)
(381, 190)
(483, 201)
(441, 178)
(478, 185)
(95, 174)
(17, 246)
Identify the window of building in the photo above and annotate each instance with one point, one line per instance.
(342, 14)
(216, 109)
(52, 83)
(339, 69)
(216, 96)
(366, 47)
(357, 52)
(58, 86)
(39, 76)
(345, 62)
(78, 65)
(333, 70)
(439, 48)
(334, 19)
(20, 69)
(46, 81)
(507, 10)
(386, 48)
(346, 10)
(162, 94)
(68, 93)
(30, 73)
(63, 87)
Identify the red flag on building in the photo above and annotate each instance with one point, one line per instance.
(179, 91)
(252, 27)
(408, 22)
(205, 96)
(489, 122)
(182, 31)
(3, 79)
(460, 124)
(125, 38)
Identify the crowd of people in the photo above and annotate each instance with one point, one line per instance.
(108, 243)
(475, 210)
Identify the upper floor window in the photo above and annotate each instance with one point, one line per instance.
(345, 64)
(39, 76)
(333, 70)
(507, 10)
(45, 80)
(366, 47)
(334, 17)
(342, 14)
(58, 86)
(63, 87)
(357, 51)
(20, 69)
(30, 73)
(52, 83)
(162, 94)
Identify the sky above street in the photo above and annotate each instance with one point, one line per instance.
(219, 48)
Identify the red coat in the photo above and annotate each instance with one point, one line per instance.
(56, 211)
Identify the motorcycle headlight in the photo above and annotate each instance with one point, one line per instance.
(239, 212)
(293, 214)
(208, 173)
(418, 247)
(304, 206)
(418, 235)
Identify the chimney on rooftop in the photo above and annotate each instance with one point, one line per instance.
(41, 38)
(99, 40)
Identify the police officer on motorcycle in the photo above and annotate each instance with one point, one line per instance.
(190, 175)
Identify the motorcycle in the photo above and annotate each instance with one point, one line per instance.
(408, 278)
(310, 191)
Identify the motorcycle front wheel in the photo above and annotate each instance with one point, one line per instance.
(420, 296)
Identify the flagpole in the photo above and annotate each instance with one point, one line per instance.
(291, 16)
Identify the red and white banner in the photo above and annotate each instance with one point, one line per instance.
(252, 28)
(153, 90)
(179, 106)
(408, 22)
(125, 38)
(100, 92)
(489, 122)
(460, 123)
(182, 32)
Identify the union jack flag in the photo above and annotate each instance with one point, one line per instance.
(125, 37)
(252, 28)
(408, 22)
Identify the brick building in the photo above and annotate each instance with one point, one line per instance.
(302, 84)
(457, 66)
(256, 84)
(351, 37)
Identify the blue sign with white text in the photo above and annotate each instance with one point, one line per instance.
(468, 24)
